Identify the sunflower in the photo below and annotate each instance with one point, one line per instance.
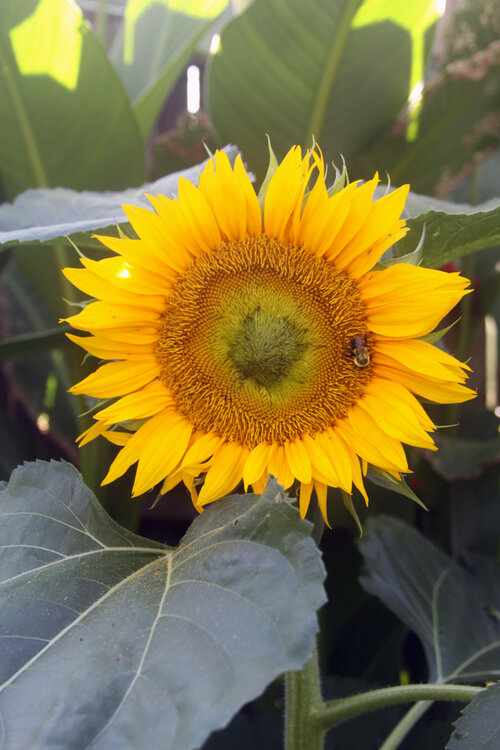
(251, 335)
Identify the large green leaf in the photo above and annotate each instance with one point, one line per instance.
(452, 235)
(298, 69)
(456, 123)
(444, 604)
(479, 727)
(154, 45)
(113, 641)
(65, 118)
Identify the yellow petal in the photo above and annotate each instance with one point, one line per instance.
(305, 497)
(156, 234)
(256, 464)
(93, 285)
(298, 460)
(105, 348)
(91, 433)
(393, 424)
(428, 388)
(225, 472)
(398, 399)
(320, 461)
(278, 466)
(382, 220)
(321, 494)
(117, 379)
(128, 277)
(202, 449)
(284, 194)
(166, 441)
(199, 220)
(226, 195)
(391, 449)
(260, 485)
(337, 452)
(101, 316)
(143, 403)
(421, 357)
(359, 210)
(253, 210)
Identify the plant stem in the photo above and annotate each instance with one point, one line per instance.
(394, 739)
(302, 700)
(337, 711)
(102, 23)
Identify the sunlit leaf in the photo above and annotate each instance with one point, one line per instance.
(65, 118)
(304, 69)
(443, 603)
(455, 124)
(153, 47)
(111, 640)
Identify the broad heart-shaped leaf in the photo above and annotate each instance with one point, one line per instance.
(113, 641)
(453, 128)
(303, 69)
(44, 215)
(479, 727)
(65, 118)
(154, 45)
(444, 604)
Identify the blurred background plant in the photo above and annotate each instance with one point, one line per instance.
(106, 96)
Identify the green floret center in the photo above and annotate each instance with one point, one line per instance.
(265, 347)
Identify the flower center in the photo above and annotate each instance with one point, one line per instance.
(256, 342)
(265, 347)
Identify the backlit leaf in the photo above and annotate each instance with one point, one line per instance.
(65, 118)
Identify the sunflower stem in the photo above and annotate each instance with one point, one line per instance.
(302, 701)
(336, 711)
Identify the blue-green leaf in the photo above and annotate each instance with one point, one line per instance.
(111, 640)
(443, 603)
(479, 727)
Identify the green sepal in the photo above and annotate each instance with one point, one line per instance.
(271, 169)
(414, 258)
(431, 338)
(349, 505)
(384, 479)
(341, 178)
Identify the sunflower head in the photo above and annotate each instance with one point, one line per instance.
(252, 341)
